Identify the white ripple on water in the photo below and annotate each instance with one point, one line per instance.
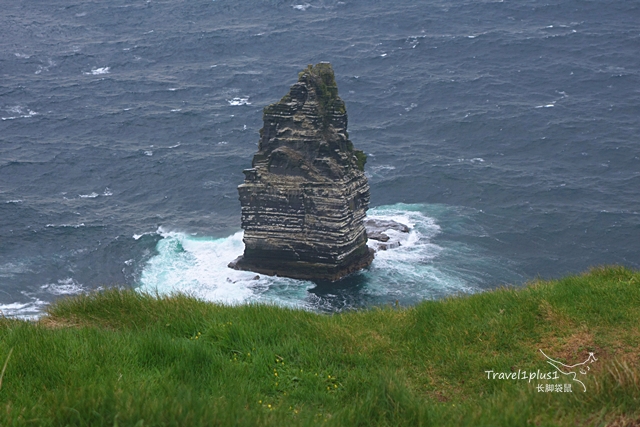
(92, 195)
(41, 68)
(66, 286)
(27, 311)
(148, 233)
(198, 266)
(474, 160)
(408, 271)
(239, 101)
(20, 112)
(378, 170)
(34, 308)
(97, 71)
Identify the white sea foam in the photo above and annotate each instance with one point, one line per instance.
(148, 233)
(11, 268)
(98, 71)
(551, 105)
(16, 201)
(408, 271)
(239, 101)
(414, 41)
(66, 286)
(421, 229)
(107, 192)
(65, 225)
(28, 311)
(378, 170)
(198, 266)
(148, 153)
(92, 195)
(33, 309)
(41, 68)
(22, 55)
(20, 112)
(474, 160)
(302, 7)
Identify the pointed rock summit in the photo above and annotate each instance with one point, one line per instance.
(305, 198)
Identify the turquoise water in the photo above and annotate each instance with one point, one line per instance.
(406, 274)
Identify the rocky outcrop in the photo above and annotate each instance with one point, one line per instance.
(305, 198)
(379, 231)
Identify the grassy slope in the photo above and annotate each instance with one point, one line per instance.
(120, 358)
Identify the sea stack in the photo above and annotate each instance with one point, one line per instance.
(306, 195)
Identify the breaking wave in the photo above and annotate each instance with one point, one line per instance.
(198, 266)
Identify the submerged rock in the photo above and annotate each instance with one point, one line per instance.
(379, 229)
(305, 198)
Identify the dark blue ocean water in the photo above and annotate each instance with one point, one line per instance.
(505, 132)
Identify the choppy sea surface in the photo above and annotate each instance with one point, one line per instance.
(504, 132)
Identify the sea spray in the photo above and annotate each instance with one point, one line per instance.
(197, 266)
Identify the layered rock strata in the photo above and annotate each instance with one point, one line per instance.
(306, 195)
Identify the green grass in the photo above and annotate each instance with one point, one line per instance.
(122, 358)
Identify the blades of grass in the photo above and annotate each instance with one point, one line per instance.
(4, 368)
